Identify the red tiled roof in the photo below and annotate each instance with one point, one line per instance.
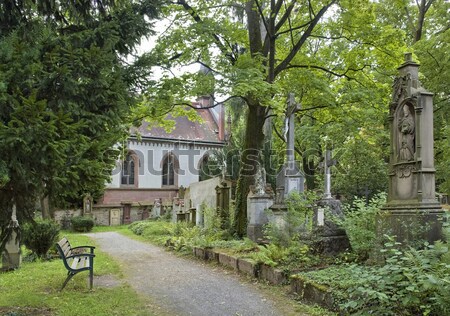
(204, 130)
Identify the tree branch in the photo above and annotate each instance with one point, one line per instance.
(216, 38)
(302, 39)
(330, 71)
(285, 16)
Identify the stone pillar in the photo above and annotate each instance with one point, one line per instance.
(412, 211)
(257, 204)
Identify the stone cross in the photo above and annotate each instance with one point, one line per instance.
(290, 118)
(327, 164)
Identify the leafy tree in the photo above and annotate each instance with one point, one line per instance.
(66, 90)
(332, 54)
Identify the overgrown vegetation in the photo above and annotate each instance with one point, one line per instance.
(410, 282)
(359, 223)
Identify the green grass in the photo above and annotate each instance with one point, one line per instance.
(37, 284)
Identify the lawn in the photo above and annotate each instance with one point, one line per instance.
(34, 289)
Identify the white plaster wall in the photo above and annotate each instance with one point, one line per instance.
(150, 163)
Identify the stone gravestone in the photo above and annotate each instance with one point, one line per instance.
(258, 201)
(290, 176)
(12, 257)
(412, 211)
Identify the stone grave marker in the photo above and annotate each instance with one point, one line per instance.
(412, 211)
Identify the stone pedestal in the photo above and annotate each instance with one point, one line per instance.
(411, 225)
(330, 238)
(256, 214)
(291, 178)
(12, 257)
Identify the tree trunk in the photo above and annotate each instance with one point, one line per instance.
(251, 156)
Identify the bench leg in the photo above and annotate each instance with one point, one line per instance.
(91, 278)
(69, 276)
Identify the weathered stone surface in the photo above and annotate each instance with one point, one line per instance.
(211, 255)
(256, 215)
(199, 253)
(412, 203)
(272, 275)
(248, 267)
(312, 293)
(228, 261)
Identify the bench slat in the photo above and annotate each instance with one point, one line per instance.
(75, 262)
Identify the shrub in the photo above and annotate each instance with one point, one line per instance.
(411, 282)
(40, 236)
(138, 227)
(360, 224)
(82, 223)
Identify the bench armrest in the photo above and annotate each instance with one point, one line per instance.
(81, 247)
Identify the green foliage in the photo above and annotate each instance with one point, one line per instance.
(82, 223)
(359, 222)
(34, 288)
(271, 254)
(139, 227)
(362, 165)
(297, 219)
(65, 97)
(40, 236)
(158, 231)
(409, 282)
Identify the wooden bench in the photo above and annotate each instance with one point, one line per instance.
(76, 259)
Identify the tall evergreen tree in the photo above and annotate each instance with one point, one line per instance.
(66, 90)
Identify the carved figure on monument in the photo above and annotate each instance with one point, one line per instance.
(260, 180)
(406, 128)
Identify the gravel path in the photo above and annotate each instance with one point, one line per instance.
(181, 286)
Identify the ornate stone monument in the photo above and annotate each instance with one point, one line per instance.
(412, 211)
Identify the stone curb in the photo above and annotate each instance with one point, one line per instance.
(306, 290)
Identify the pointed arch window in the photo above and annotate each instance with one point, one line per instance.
(129, 170)
(169, 167)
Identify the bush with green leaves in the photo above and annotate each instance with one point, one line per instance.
(139, 227)
(410, 282)
(40, 236)
(359, 223)
(82, 223)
